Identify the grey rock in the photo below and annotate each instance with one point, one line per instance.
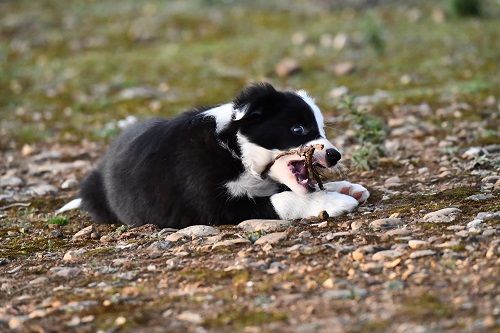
(344, 293)
(195, 231)
(84, 233)
(10, 182)
(422, 253)
(486, 216)
(398, 232)
(387, 223)
(445, 215)
(272, 238)
(39, 280)
(356, 225)
(160, 245)
(392, 182)
(42, 189)
(66, 272)
(387, 254)
(264, 225)
(480, 197)
(231, 242)
(332, 235)
(69, 184)
(418, 244)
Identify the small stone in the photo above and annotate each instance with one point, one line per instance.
(42, 190)
(4, 261)
(304, 234)
(340, 41)
(15, 323)
(386, 254)
(472, 153)
(489, 232)
(371, 267)
(462, 233)
(448, 244)
(73, 255)
(27, 150)
(392, 182)
(10, 182)
(398, 232)
(493, 250)
(84, 233)
(287, 67)
(332, 235)
(344, 293)
(190, 317)
(196, 231)
(418, 244)
(357, 255)
(328, 283)
(272, 238)
(106, 239)
(343, 68)
(323, 215)
(422, 253)
(231, 242)
(356, 225)
(120, 321)
(175, 237)
(486, 216)
(392, 264)
(387, 223)
(480, 197)
(338, 92)
(445, 215)
(39, 280)
(69, 184)
(160, 245)
(264, 225)
(66, 272)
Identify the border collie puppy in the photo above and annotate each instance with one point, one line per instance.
(215, 166)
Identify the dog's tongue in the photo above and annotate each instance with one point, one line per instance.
(300, 170)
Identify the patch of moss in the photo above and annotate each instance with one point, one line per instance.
(58, 220)
(374, 326)
(240, 318)
(426, 307)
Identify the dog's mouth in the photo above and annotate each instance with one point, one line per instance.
(302, 175)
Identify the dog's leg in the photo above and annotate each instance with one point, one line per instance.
(356, 191)
(290, 205)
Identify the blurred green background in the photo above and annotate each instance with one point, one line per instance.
(70, 68)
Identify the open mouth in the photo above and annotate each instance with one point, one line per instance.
(302, 173)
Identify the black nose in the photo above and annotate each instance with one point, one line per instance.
(332, 157)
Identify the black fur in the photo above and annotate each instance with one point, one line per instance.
(172, 173)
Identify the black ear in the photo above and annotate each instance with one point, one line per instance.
(253, 94)
(249, 101)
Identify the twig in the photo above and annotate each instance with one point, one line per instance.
(17, 204)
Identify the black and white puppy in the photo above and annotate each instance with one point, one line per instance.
(207, 166)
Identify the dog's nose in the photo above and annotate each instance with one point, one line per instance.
(332, 157)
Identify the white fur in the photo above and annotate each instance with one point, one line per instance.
(73, 204)
(290, 205)
(317, 112)
(353, 189)
(223, 114)
(252, 186)
(254, 157)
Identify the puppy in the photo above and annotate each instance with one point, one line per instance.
(216, 166)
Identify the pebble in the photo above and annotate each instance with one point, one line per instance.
(344, 293)
(196, 231)
(231, 242)
(287, 67)
(38, 280)
(371, 267)
(175, 237)
(272, 238)
(387, 254)
(264, 225)
(10, 182)
(190, 317)
(445, 215)
(69, 184)
(422, 253)
(418, 244)
(387, 223)
(42, 190)
(480, 197)
(73, 255)
(462, 233)
(66, 272)
(332, 235)
(486, 216)
(356, 225)
(448, 244)
(343, 68)
(84, 233)
(489, 232)
(392, 182)
(398, 232)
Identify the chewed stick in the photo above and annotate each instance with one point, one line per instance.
(307, 152)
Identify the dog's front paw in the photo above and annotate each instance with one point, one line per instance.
(356, 191)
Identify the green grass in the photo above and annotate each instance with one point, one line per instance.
(63, 65)
(59, 220)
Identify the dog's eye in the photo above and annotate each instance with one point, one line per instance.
(298, 130)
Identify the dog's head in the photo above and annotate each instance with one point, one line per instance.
(267, 123)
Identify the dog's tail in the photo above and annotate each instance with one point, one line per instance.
(73, 204)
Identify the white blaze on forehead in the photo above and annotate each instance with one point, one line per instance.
(222, 114)
(316, 111)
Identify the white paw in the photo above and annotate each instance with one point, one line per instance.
(290, 205)
(356, 191)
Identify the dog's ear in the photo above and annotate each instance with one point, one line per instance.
(247, 103)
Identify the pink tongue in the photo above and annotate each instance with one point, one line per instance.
(300, 170)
